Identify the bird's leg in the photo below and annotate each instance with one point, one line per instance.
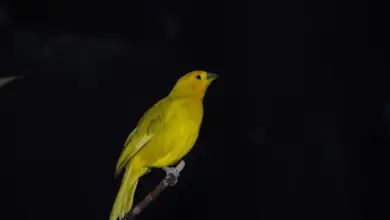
(173, 175)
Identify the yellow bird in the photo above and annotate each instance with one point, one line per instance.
(164, 135)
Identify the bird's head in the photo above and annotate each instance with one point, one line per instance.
(194, 84)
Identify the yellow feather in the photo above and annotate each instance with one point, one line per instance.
(129, 151)
(165, 134)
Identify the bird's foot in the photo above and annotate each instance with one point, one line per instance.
(173, 175)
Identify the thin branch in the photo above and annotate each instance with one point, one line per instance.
(169, 180)
(7, 79)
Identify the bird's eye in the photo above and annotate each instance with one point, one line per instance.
(198, 77)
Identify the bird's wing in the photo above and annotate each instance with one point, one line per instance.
(147, 127)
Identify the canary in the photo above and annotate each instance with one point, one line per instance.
(162, 137)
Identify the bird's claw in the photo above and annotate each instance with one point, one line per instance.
(173, 175)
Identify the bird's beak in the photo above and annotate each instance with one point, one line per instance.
(211, 76)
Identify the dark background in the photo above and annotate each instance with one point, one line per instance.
(290, 127)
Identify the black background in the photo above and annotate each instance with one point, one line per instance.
(290, 127)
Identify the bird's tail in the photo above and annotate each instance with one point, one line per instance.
(124, 199)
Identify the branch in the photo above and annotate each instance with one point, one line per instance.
(169, 180)
(4, 80)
